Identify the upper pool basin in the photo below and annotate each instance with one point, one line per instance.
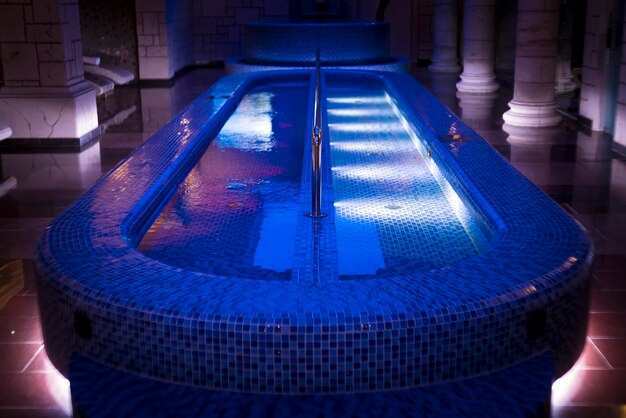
(192, 261)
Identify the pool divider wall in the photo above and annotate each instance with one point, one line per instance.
(466, 319)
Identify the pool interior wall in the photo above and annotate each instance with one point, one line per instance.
(236, 213)
(526, 295)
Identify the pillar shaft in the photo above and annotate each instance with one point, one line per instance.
(478, 47)
(533, 101)
(444, 58)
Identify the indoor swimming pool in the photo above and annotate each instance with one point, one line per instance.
(192, 263)
(237, 212)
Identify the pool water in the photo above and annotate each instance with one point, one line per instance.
(249, 172)
(239, 211)
(392, 214)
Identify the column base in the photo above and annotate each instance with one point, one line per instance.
(44, 113)
(533, 115)
(444, 67)
(477, 83)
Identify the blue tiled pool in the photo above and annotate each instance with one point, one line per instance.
(192, 263)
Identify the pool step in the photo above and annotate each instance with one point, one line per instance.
(519, 391)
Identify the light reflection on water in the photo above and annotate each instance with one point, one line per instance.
(250, 128)
(235, 213)
(405, 216)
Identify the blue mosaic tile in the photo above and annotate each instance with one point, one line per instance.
(340, 43)
(519, 391)
(521, 291)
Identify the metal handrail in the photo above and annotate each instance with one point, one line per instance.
(316, 145)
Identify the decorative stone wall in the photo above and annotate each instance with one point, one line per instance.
(152, 40)
(44, 95)
(108, 31)
(218, 31)
(218, 25)
(41, 43)
(179, 18)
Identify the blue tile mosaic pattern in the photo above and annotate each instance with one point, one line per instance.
(340, 43)
(236, 212)
(526, 293)
(394, 64)
(515, 392)
(392, 215)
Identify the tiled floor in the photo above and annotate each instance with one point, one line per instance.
(577, 169)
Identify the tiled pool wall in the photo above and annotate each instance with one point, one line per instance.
(526, 294)
(339, 43)
(269, 45)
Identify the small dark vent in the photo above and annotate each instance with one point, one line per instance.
(536, 325)
(82, 325)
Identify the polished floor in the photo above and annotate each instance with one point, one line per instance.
(574, 167)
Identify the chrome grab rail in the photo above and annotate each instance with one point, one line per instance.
(316, 145)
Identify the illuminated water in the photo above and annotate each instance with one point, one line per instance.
(392, 214)
(239, 210)
(251, 171)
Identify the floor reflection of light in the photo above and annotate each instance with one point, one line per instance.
(571, 383)
(564, 387)
(59, 388)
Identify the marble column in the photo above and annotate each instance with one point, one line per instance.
(533, 103)
(45, 99)
(564, 77)
(478, 47)
(444, 58)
